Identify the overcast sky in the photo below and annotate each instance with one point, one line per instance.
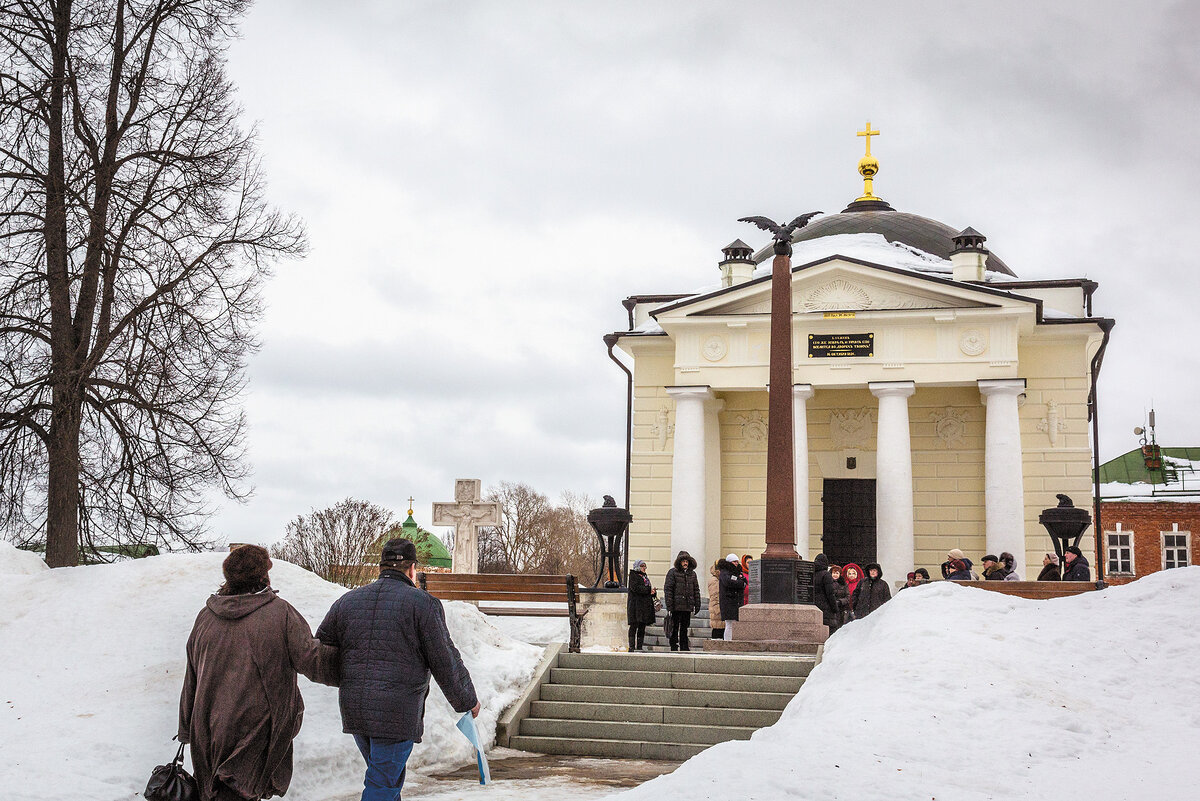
(484, 182)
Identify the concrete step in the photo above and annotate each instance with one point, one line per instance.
(660, 696)
(638, 713)
(803, 650)
(783, 630)
(681, 733)
(610, 749)
(680, 681)
(691, 663)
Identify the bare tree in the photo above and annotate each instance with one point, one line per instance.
(334, 543)
(536, 536)
(134, 236)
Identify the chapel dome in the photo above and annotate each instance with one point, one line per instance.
(877, 217)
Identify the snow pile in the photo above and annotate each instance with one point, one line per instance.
(956, 693)
(15, 562)
(92, 660)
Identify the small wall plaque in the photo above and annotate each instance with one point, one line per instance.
(839, 346)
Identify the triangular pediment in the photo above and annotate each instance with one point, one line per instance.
(840, 284)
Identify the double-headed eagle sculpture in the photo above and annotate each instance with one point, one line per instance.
(781, 233)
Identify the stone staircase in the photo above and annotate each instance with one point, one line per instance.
(698, 631)
(656, 706)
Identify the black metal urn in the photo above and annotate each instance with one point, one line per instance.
(1066, 524)
(610, 522)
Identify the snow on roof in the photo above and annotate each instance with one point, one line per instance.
(873, 248)
(1127, 477)
(651, 326)
(951, 692)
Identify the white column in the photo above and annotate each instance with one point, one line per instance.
(893, 480)
(1003, 479)
(712, 482)
(689, 474)
(800, 396)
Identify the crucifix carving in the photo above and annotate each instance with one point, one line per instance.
(467, 514)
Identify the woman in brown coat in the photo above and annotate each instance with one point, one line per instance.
(714, 603)
(241, 707)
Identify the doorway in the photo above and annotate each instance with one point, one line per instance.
(848, 520)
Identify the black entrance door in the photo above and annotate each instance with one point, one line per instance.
(848, 529)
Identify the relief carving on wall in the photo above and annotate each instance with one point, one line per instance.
(753, 429)
(973, 342)
(850, 428)
(950, 425)
(1052, 424)
(715, 348)
(837, 294)
(662, 429)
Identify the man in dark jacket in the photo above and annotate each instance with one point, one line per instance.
(391, 636)
(681, 599)
(871, 593)
(824, 592)
(1077, 568)
(993, 569)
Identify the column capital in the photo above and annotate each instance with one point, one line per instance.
(892, 389)
(698, 392)
(802, 391)
(1001, 386)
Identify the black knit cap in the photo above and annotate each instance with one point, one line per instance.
(398, 550)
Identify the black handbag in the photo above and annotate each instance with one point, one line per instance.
(171, 782)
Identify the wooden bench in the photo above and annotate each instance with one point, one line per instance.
(479, 588)
(1034, 590)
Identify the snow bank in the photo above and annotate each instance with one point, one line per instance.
(92, 659)
(15, 562)
(956, 693)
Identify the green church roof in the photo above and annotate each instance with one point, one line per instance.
(430, 550)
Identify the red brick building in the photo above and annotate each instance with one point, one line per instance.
(1150, 509)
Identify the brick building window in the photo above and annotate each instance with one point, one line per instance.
(1120, 550)
(1176, 547)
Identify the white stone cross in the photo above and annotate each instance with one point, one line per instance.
(467, 514)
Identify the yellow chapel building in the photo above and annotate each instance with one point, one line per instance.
(939, 400)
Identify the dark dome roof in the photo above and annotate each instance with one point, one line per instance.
(876, 217)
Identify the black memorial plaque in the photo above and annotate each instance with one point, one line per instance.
(781, 581)
(840, 346)
(804, 582)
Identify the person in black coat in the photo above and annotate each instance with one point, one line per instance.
(824, 594)
(1050, 569)
(681, 591)
(842, 613)
(640, 608)
(391, 636)
(871, 593)
(959, 571)
(1078, 568)
(732, 583)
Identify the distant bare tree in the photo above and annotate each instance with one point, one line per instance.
(134, 235)
(536, 536)
(334, 543)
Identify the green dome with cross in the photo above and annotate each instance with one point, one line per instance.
(430, 550)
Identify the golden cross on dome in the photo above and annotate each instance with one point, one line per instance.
(869, 133)
(868, 166)
(410, 505)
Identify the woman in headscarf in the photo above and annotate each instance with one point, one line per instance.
(639, 610)
(1050, 568)
(241, 707)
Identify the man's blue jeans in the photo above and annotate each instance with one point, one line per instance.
(385, 766)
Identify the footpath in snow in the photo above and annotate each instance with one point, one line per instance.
(92, 660)
(957, 694)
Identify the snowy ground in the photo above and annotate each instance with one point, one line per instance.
(91, 662)
(536, 630)
(953, 693)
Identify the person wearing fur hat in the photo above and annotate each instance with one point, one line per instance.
(733, 585)
(871, 593)
(922, 576)
(1050, 569)
(241, 707)
(639, 611)
(1077, 568)
(1009, 561)
(956, 553)
(714, 602)
(681, 599)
